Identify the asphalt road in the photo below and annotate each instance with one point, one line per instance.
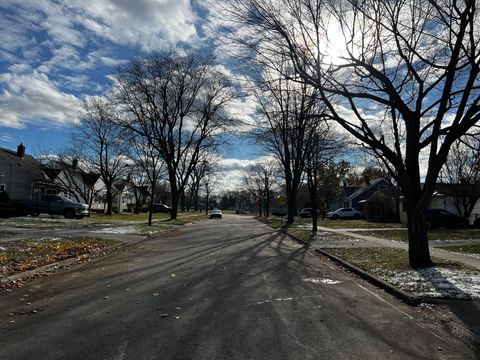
(219, 289)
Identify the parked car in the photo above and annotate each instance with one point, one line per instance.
(56, 205)
(444, 218)
(162, 208)
(216, 213)
(306, 212)
(345, 213)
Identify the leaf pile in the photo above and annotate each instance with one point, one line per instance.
(18, 256)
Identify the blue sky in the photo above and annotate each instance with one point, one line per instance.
(56, 52)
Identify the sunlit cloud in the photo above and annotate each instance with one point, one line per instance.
(35, 99)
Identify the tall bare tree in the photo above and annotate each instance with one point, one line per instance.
(323, 176)
(147, 159)
(400, 76)
(291, 116)
(101, 144)
(206, 167)
(177, 103)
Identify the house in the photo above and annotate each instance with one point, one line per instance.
(123, 197)
(365, 191)
(444, 197)
(21, 175)
(71, 179)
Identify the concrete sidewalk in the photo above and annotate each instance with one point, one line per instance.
(369, 241)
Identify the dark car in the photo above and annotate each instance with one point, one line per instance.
(307, 212)
(162, 208)
(444, 218)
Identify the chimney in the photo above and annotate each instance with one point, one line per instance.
(21, 150)
(74, 164)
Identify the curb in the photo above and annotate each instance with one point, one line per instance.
(406, 298)
(399, 294)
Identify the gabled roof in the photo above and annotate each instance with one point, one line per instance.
(26, 162)
(367, 188)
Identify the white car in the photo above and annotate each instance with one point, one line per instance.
(216, 213)
(345, 213)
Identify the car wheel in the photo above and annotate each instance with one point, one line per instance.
(356, 217)
(69, 214)
(334, 217)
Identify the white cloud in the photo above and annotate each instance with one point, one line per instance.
(148, 23)
(33, 98)
(230, 176)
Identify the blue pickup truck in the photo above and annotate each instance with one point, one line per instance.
(55, 205)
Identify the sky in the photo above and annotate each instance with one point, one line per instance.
(54, 53)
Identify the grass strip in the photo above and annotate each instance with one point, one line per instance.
(18, 256)
(464, 249)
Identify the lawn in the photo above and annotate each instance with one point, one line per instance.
(433, 234)
(464, 249)
(18, 256)
(59, 222)
(444, 280)
(275, 222)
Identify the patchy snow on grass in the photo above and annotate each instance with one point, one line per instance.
(39, 219)
(436, 282)
(117, 230)
(48, 238)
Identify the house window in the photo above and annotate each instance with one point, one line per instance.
(3, 187)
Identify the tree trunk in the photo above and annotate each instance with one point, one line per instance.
(183, 201)
(418, 250)
(291, 206)
(150, 207)
(109, 200)
(195, 198)
(175, 198)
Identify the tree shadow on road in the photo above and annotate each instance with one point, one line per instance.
(464, 307)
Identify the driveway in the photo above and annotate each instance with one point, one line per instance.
(218, 289)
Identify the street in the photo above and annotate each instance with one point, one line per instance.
(228, 288)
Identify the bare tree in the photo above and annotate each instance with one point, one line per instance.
(462, 171)
(146, 159)
(206, 167)
(322, 174)
(101, 144)
(177, 103)
(259, 181)
(404, 83)
(291, 115)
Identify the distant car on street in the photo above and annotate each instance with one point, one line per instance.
(443, 218)
(162, 208)
(345, 213)
(216, 213)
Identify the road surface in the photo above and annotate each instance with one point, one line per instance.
(218, 289)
